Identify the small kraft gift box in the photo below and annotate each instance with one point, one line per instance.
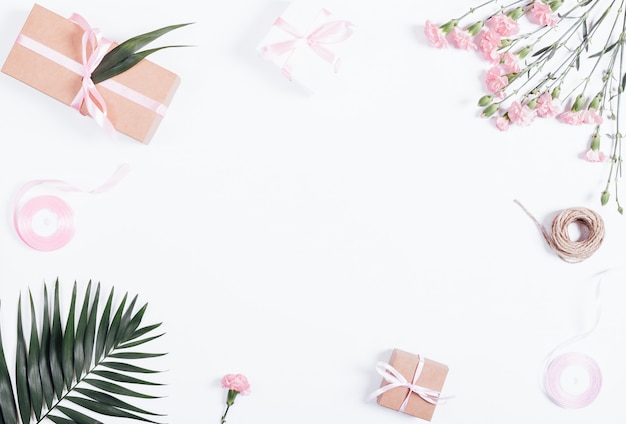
(411, 384)
(51, 53)
(308, 43)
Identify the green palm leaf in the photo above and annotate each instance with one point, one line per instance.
(54, 372)
(126, 55)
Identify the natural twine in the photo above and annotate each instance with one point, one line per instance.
(559, 239)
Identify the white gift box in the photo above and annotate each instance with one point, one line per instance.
(308, 43)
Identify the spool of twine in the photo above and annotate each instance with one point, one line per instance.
(559, 240)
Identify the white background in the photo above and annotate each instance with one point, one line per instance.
(297, 238)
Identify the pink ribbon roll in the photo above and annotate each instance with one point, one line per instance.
(58, 216)
(577, 391)
(63, 230)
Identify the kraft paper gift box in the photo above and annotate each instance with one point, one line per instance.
(308, 44)
(147, 89)
(431, 377)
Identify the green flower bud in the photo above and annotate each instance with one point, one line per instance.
(485, 100)
(604, 199)
(505, 42)
(449, 26)
(554, 5)
(511, 77)
(516, 13)
(620, 210)
(595, 103)
(578, 103)
(595, 142)
(556, 92)
(490, 110)
(475, 28)
(524, 52)
(532, 104)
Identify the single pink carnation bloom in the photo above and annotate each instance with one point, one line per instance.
(461, 39)
(570, 117)
(542, 14)
(488, 44)
(503, 25)
(521, 114)
(594, 156)
(547, 106)
(590, 116)
(495, 80)
(510, 64)
(236, 382)
(502, 123)
(435, 35)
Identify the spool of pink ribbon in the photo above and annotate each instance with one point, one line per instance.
(572, 380)
(46, 222)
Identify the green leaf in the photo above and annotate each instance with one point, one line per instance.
(8, 412)
(90, 331)
(60, 420)
(124, 51)
(68, 343)
(113, 401)
(21, 371)
(144, 330)
(34, 378)
(605, 50)
(105, 409)
(103, 329)
(81, 328)
(44, 357)
(116, 389)
(121, 366)
(56, 346)
(115, 325)
(135, 355)
(139, 342)
(126, 64)
(79, 417)
(123, 378)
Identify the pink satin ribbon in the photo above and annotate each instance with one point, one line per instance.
(555, 365)
(395, 380)
(318, 39)
(93, 48)
(24, 214)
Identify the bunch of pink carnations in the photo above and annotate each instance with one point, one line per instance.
(559, 59)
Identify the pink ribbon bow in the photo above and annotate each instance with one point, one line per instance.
(333, 32)
(93, 49)
(395, 380)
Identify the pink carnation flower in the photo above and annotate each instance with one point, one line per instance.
(510, 64)
(570, 117)
(502, 123)
(594, 156)
(495, 80)
(590, 116)
(521, 114)
(547, 106)
(435, 35)
(461, 39)
(236, 382)
(542, 14)
(488, 44)
(503, 25)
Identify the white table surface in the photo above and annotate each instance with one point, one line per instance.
(297, 238)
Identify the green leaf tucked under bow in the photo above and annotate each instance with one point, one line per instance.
(72, 375)
(126, 55)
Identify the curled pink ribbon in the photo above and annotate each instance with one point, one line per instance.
(395, 380)
(23, 215)
(318, 39)
(563, 396)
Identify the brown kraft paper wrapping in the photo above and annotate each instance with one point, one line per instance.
(64, 37)
(433, 376)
